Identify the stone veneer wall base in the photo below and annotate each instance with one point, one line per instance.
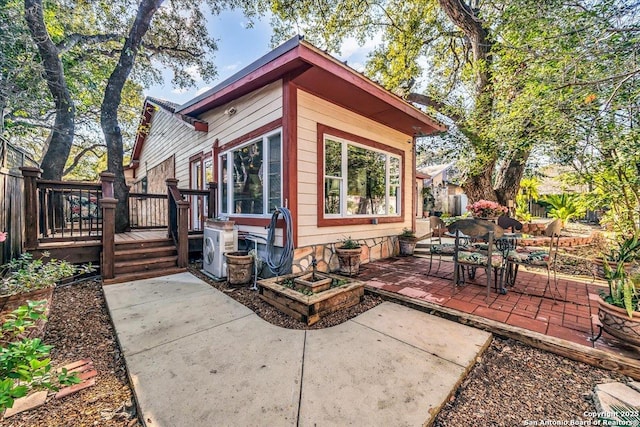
(327, 260)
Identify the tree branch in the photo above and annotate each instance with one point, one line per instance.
(84, 39)
(439, 106)
(79, 156)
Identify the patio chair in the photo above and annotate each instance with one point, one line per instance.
(438, 228)
(508, 223)
(541, 257)
(483, 257)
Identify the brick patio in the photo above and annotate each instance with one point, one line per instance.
(524, 305)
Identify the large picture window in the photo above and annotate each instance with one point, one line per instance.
(360, 180)
(250, 177)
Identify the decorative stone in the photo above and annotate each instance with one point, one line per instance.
(375, 253)
(25, 403)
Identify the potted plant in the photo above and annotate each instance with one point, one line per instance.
(407, 241)
(239, 267)
(622, 256)
(619, 310)
(348, 254)
(487, 209)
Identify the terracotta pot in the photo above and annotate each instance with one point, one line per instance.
(407, 245)
(349, 260)
(598, 265)
(615, 321)
(239, 267)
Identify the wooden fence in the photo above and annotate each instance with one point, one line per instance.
(11, 199)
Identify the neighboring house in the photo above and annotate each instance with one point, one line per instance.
(551, 180)
(300, 129)
(444, 196)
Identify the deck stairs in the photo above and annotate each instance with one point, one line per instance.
(143, 259)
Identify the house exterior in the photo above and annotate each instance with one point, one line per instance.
(442, 196)
(299, 129)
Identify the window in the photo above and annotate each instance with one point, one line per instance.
(251, 177)
(360, 180)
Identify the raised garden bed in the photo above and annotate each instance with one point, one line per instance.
(292, 294)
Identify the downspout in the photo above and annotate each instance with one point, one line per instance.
(414, 197)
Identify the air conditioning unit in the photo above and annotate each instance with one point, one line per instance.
(216, 243)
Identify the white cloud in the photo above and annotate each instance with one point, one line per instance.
(351, 48)
(202, 90)
(180, 90)
(194, 73)
(232, 67)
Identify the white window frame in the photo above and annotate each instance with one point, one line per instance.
(344, 179)
(265, 174)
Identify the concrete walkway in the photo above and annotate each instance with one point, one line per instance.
(196, 357)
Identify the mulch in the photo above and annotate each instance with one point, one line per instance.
(510, 384)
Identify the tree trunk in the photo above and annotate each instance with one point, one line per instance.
(466, 18)
(510, 175)
(479, 186)
(111, 103)
(60, 139)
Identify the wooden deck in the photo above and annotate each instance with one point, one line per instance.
(138, 235)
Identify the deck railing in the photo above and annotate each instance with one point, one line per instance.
(147, 210)
(69, 210)
(80, 211)
(181, 222)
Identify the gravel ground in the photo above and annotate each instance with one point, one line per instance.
(510, 384)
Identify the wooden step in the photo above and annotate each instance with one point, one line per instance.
(141, 265)
(129, 277)
(144, 253)
(141, 244)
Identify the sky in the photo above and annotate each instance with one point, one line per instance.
(239, 46)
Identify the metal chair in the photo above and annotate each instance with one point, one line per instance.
(541, 257)
(507, 223)
(478, 257)
(438, 228)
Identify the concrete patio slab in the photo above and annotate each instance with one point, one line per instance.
(355, 374)
(145, 325)
(199, 358)
(148, 290)
(445, 339)
(244, 373)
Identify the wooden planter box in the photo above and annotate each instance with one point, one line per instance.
(310, 308)
(322, 282)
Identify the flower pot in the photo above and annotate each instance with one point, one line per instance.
(616, 322)
(349, 260)
(239, 267)
(598, 266)
(407, 245)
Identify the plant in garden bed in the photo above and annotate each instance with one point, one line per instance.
(24, 363)
(26, 274)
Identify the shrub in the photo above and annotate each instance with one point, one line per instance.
(24, 363)
(26, 274)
